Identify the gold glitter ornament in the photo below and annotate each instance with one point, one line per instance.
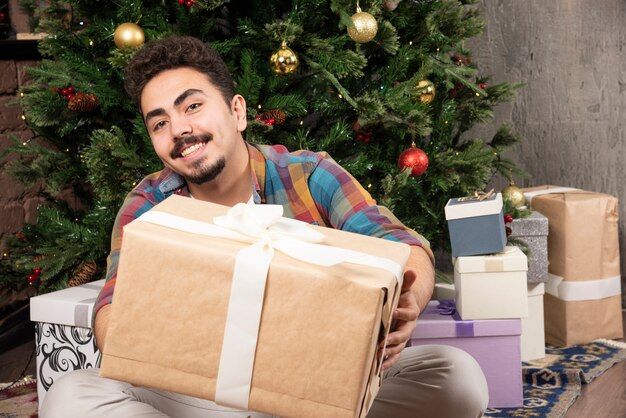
(284, 61)
(425, 91)
(128, 35)
(514, 194)
(364, 27)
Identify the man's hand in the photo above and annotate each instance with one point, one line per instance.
(414, 296)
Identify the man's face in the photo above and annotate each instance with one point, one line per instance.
(193, 131)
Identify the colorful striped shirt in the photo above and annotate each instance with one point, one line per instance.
(310, 186)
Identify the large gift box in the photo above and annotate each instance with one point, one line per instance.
(64, 339)
(582, 300)
(200, 311)
(533, 231)
(476, 225)
(533, 339)
(492, 286)
(494, 343)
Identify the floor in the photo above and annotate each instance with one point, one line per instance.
(605, 397)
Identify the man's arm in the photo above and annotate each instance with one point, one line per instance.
(417, 288)
(101, 325)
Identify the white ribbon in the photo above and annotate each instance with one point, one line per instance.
(583, 290)
(263, 227)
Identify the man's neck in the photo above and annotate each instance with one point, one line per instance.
(233, 185)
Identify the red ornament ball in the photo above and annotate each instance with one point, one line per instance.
(413, 158)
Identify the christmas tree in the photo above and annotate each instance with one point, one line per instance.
(387, 88)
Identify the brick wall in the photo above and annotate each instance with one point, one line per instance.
(17, 203)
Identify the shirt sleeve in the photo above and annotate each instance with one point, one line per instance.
(138, 201)
(349, 207)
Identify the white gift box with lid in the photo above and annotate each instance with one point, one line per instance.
(533, 337)
(492, 286)
(63, 335)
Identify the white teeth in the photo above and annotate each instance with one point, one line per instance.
(191, 149)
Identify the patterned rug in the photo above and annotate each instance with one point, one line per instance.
(552, 384)
(20, 400)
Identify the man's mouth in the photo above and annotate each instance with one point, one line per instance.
(189, 145)
(192, 149)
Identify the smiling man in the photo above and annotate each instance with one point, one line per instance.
(196, 122)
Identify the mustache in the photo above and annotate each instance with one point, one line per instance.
(189, 140)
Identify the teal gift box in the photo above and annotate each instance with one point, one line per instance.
(476, 225)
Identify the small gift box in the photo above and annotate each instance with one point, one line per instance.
(583, 292)
(533, 231)
(492, 286)
(250, 326)
(476, 225)
(495, 344)
(63, 334)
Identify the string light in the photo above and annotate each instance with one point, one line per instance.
(410, 43)
(23, 117)
(340, 96)
(301, 122)
(259, 106)
(90, 42)
(369, 186)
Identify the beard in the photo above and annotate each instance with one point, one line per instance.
(201, 172)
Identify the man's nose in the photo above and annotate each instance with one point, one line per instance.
(180, 127)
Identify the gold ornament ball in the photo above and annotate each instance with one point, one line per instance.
(425, 91)
(364, 29)
(514, 194)
(128, 35)
(284, 61)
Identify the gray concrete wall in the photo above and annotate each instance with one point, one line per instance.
(572, 111)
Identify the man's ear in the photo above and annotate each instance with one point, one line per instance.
(238, 107)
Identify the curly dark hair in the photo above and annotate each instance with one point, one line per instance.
(175, 52)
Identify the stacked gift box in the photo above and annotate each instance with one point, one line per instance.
(582, 294)
(490, 294)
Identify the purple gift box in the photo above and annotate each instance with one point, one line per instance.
(494, 343)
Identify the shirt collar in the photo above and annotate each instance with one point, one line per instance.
(172, 181)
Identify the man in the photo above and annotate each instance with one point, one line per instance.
(196, 122)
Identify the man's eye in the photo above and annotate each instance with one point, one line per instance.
(158, 125)
(193, 106)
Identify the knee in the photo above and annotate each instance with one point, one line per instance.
(465, 384)
(63, 397)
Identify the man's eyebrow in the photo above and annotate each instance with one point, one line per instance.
(181, 98)
(184, 95)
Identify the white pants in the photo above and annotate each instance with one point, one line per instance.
(427, 381)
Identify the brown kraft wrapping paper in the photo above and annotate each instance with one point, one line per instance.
(319, 330)
(583, 246)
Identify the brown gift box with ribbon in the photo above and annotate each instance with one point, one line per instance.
(582, 300)
(176, 325)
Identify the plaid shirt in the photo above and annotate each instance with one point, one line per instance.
(310, 186)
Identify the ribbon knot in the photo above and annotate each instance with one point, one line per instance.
(478, 196)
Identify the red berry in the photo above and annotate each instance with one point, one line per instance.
(69, 96)
(482, 86)
(32, 278)
(508, 218)
(70, 89)
(64, 91)
(181, 1)
(189, 3)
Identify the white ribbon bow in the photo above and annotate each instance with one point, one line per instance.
(263, 227)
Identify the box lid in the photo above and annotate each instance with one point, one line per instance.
(441, 320)
(72, 306)
(459, 207)
(534, 224)
(511, 259)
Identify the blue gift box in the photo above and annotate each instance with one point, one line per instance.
(476, 226)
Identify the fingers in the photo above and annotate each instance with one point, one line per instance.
(390, 355)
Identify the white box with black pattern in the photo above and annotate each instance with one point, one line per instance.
(63, 336)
